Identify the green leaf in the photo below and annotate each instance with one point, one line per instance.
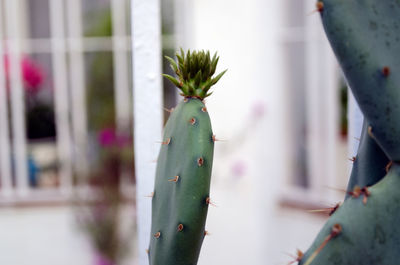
(191, 89)
(173, 64)
(197, 79)
(173, 80)
(214, 66)
(218, 77)
(180, 59)
(209, 94)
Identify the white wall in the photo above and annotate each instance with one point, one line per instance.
(44, 236)
(248, 226)
(41, 236)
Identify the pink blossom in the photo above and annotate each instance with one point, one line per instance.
(32, 74)
(107, 137)
(258, 109)
(239, 168)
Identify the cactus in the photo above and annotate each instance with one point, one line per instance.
(369, 165)
(362, 231)
(365, 37)
(181, 194)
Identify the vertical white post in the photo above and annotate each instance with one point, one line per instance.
(147, 96)
(17, 95)
(59, 64)
(78, 91)
(120, 60)
(5, 154)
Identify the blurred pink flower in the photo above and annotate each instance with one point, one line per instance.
(107, 137)
(32, 74)
(239, 168)
(258, 109)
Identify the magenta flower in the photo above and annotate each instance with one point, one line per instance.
(32, 74)
(107, 137)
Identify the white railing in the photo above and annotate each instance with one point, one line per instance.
(13, 28)
(5, 154)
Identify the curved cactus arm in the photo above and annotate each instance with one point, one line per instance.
(365, 37)
(181, 194)
(363, 230)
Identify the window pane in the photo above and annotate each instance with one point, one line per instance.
(38, 28)
(96, 18)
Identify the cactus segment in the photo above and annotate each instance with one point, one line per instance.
(195, 73)
(182, 186)
(369, 235)
(365, 37)
(369, 165)
(181, 195)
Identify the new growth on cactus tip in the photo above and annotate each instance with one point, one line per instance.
(194, 72)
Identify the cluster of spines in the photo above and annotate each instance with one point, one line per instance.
(194, 71)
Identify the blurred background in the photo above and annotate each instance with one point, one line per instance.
(67, 160)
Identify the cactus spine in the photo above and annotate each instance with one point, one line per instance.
(365, 36)
(181, 194)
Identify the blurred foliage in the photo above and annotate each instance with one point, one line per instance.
(113, 156)
(101, 105)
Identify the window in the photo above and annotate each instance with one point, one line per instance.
(317, 149)
(76, 86)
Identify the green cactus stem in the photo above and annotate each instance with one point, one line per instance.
(369, 228)
(181, 194)
(365, 37)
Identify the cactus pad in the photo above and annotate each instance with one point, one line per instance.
(365, 36)
(369, 231)
(181, 194)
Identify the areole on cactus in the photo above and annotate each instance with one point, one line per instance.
(181, 196)
(365, 37)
